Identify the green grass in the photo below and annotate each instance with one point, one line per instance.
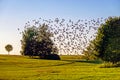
(69, 68)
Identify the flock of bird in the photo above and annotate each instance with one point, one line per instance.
(71, 37)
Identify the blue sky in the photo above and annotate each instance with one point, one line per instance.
(15, 13)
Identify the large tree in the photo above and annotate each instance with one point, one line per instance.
(8, 48)
(28, 41)
(45, 44)
(36, 41)
(106, 44)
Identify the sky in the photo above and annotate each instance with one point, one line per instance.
(15, 13)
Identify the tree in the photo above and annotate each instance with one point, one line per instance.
(106, 44)
(45, 43)
(36, 41)
(28, 41)
(88, 52)
(8, 48)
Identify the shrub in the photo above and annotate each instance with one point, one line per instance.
(52, 57)
(109, 65)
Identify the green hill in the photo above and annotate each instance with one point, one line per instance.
(69, 68)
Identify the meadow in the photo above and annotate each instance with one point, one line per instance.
(68, 68)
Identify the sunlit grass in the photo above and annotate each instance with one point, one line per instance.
(69, 68)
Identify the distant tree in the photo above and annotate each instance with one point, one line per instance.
(8, 48)
(88, 52)
(106, 44)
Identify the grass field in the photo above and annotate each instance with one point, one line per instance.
(69, 68)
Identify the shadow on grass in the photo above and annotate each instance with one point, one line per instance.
(90, 61)
(71, 61)
(85, 61)
(76, 61)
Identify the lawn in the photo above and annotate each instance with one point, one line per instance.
(68, 68)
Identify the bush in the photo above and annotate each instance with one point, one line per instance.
(50, 57)
(109, 65)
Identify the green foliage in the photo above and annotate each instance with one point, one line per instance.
(109, 65)
(106, 44)
(28, 41)
(88, 53)
(52, 57)
(36, 41)
(8, 48)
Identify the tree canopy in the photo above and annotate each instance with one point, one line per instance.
(36, 41)
(106, 44)
(8, 48)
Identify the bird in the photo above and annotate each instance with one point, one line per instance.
(69, 36)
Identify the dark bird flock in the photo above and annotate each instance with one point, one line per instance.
(71, 37)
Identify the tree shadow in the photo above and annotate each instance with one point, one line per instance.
(71, 62)
(85, 61)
